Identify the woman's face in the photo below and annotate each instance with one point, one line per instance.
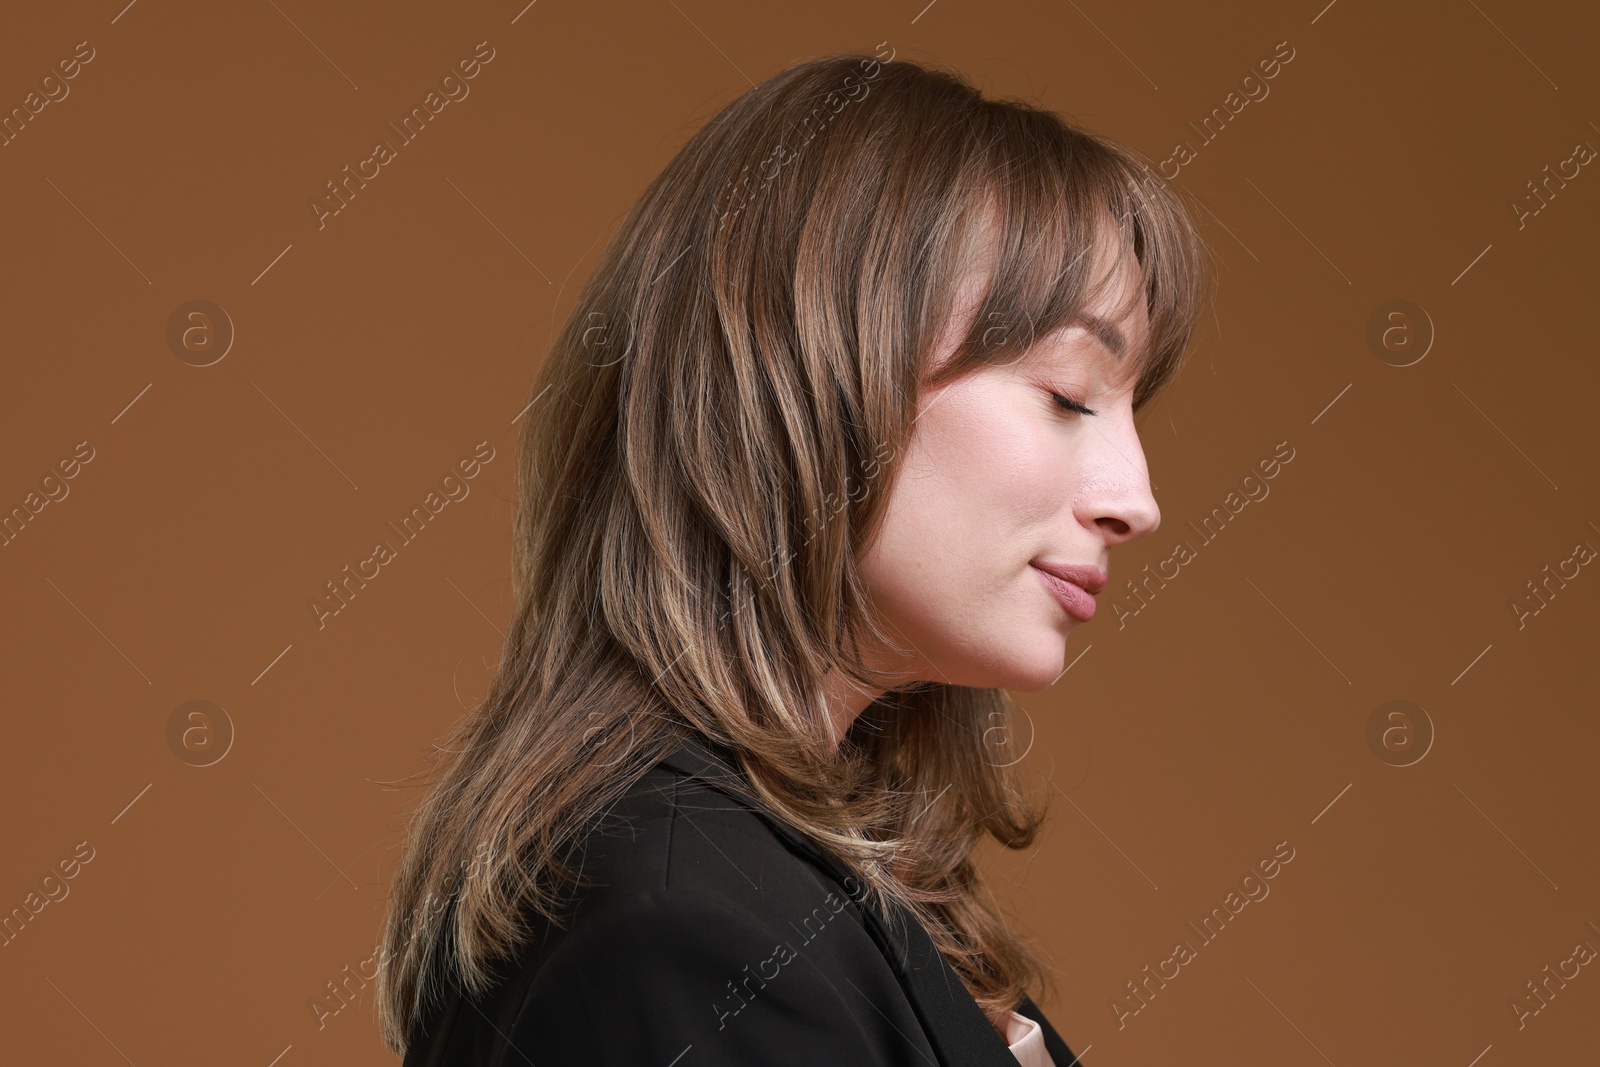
(997, 478)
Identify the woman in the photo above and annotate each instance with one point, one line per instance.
(829, 454)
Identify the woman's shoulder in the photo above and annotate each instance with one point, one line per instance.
(690, 828)
(701, 920)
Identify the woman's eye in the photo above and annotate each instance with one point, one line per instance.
(1070, 404)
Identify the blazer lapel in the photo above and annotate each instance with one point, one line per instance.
(954, 1023)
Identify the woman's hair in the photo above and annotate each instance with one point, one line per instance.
(715, 433)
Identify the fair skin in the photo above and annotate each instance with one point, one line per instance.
(997, 475)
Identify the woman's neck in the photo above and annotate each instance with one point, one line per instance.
(1002, 1025)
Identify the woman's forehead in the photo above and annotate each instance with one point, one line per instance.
(1112, 311)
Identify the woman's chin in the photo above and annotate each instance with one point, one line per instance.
(1025, 670)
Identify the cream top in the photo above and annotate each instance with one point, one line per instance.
(1026, 1040)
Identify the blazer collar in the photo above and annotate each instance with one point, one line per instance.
(954, 1023)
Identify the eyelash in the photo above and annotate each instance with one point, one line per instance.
(1069, 404)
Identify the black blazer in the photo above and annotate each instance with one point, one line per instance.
(718, 936)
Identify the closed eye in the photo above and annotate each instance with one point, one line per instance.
(1069, 404)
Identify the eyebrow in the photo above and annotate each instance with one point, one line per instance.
(1104, 331)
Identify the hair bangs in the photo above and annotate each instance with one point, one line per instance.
(1054, 198)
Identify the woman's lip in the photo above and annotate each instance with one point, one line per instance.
(1089, 578)
(1079, 604)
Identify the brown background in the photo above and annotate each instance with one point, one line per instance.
(1229, 715)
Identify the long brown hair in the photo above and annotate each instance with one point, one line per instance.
(715, 434)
